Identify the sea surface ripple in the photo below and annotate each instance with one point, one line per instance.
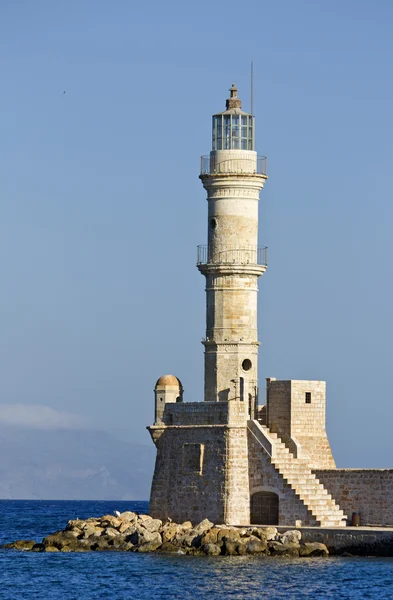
(127, 575)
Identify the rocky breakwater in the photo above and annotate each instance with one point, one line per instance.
(141, 533)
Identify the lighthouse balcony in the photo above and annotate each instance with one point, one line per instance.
(232, 256)
(230, 162)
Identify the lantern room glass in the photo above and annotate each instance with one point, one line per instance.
(233, 132)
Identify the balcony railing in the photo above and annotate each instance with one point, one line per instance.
(232, 256)
(236, 165)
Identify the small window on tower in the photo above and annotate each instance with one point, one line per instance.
(308, 397)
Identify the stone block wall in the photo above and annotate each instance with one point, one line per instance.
(184, 487)
(202, 463)
(366, 491)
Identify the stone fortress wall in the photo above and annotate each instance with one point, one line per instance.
(212, 459)
(368, 492)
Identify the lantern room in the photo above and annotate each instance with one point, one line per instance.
(233, 129)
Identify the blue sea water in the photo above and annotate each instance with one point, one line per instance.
(132, 576)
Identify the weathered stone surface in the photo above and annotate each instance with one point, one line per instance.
(291, 537)
(229, 533)
(211, 549)
(21, 545)
(269, 532)
(203, 526)
(210, 536)
(170, 531)
(254, 545)
(51, 549)
(143, 536)
(152, 524)
(128, 516)
(110, 532)
(278, 549)
(313, 549)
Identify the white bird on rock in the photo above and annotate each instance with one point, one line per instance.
(116, 513)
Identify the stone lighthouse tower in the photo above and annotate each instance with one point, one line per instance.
(232, 176)
(223, 458)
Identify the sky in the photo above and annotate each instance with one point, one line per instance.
(105, 109)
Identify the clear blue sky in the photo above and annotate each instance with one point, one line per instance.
(105, 108)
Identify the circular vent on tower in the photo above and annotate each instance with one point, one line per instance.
(246, 364)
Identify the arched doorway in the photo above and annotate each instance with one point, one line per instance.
(264, 508)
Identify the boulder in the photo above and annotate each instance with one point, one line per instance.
(255, 546)
(291, 537)
(313, 549)
(270, 533)
(279, 549)
(210, 536)
(203, 526)
(187, 525)
(168, 547)
(21, 545)
(170, 530)
(152, 525)
(109, 521)
(111, 532)
(128, 516)
(143, 536)
(211, 549)
(229, 548)
(229, 533)
(51, 549)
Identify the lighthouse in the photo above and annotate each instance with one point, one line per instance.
(225, 457)
(231, 261)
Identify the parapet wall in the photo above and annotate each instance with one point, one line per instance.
(365, 491)
(206, 413)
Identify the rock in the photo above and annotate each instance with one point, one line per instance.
(203, 526)
(110, 532)
(60, 539)
(149, 546)
(51, 549)
(187, 525)
(228, 533)
(109, 521)
(128, 516)
(170, 531)
(21, 545)
(313, 549)
(90, 530)
(255, 546)
(74, 524)
(291, 537)
(192, 539)
(210, 536)
(229, 548)
(270, 533)
(211, 549)
(168, 547)
(152, 525)
(142, 536)
(279, 549)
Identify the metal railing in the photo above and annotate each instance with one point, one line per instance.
(232, 256)
(237, 164)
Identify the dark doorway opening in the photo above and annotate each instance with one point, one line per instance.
(264, 508)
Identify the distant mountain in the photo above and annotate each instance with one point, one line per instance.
(72, 465)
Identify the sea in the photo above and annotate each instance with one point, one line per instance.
(133, 576)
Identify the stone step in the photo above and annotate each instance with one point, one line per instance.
(298, 476)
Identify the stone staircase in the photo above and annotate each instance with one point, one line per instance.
(297, 474)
